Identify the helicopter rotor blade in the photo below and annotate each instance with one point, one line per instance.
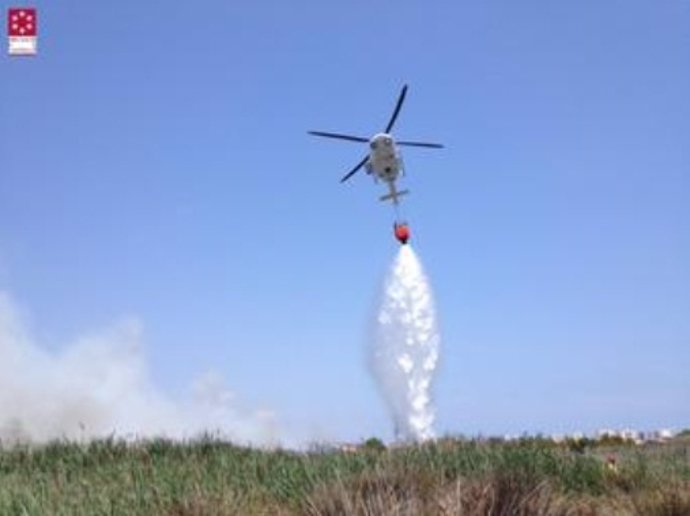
(420, 144)
(339, 136)
(354, 170)
(401, 99)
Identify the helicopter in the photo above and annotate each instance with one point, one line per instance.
(384, 160)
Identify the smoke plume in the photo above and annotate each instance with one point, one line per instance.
(406, 347)
(99, 386)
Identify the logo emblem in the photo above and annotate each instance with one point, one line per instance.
(22, 30)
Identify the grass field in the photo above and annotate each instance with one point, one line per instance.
(449, 476)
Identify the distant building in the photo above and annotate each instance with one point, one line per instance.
(637, 436)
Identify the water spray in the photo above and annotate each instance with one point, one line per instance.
(406, 347)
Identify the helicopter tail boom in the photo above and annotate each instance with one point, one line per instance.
(394, 195)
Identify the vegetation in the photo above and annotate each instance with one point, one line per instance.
(449, 476)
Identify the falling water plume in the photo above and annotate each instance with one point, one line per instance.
(406, 347)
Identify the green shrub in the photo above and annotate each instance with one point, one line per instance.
(209, 476)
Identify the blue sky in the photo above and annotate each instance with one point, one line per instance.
(154, 163)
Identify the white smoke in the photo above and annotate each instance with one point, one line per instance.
(99, 386)
(406, 347)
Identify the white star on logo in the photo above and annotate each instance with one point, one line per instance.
(22, 14)
(29, 17)
(22, 31)
(15, 26)
(15, 17)
(29, 26)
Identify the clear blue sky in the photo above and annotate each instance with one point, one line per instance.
(154, 163)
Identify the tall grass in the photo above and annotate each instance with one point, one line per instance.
(449, 476)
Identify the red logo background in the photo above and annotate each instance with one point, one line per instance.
(21, 22)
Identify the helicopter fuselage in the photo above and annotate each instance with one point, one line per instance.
(385, 163)
(384, 160)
